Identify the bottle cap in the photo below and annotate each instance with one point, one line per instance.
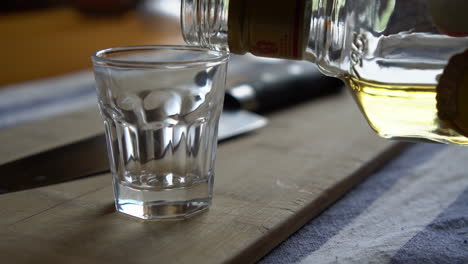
(449, 16)
(452, 92)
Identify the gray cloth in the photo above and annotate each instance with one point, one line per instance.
(414, 210)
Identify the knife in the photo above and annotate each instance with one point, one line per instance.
(278, 84)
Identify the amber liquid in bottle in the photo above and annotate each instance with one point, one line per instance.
(403, 110)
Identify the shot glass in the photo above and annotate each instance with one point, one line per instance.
(161, 106)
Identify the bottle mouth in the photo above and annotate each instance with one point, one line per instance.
(190, 21)
(204, 23)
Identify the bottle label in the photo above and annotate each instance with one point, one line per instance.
(268, 28)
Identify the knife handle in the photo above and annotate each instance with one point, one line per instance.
(277, 87)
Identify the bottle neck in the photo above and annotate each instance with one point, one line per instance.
(319, 17)
(327, 36)
(268, 28)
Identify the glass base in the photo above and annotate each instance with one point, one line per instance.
(165, 204)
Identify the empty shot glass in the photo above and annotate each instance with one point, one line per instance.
(161, 106)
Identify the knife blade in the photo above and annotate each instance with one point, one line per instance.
(278, 84)
(56, 165)
(89, 156)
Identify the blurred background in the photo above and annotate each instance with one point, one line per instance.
(45, 38)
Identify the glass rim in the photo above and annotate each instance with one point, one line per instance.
(100, 57)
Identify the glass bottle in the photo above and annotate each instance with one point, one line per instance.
(406, 61)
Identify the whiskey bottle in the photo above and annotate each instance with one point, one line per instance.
(405, 61)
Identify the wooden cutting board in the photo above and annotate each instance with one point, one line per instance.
(267, 185)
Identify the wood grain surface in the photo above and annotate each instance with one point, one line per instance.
(267, 185)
